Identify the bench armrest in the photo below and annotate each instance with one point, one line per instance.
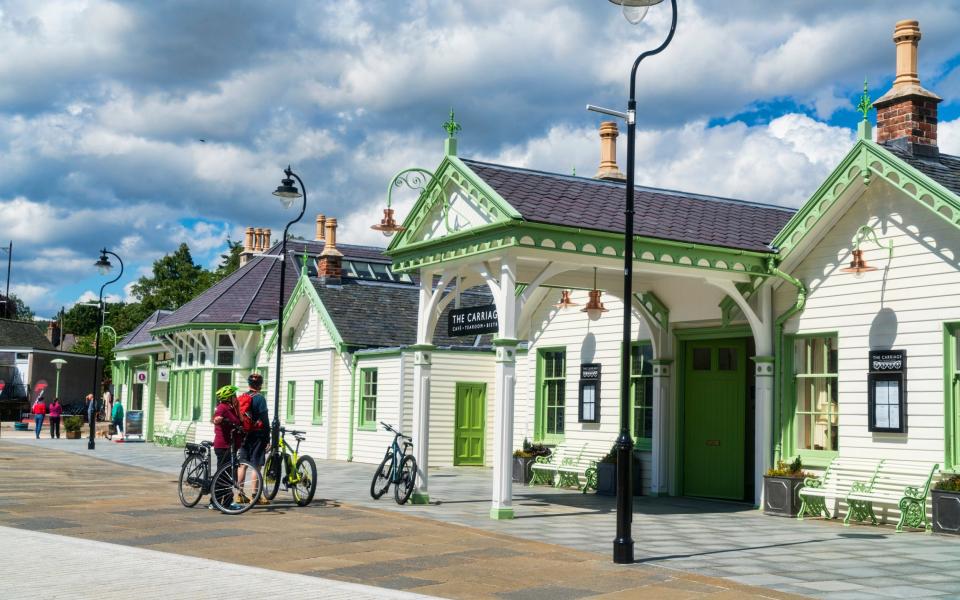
(812, 482)
(914, 493)
(544, 460)
(860, 487)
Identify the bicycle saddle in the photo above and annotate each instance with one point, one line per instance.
(207, 443)
(294, 432)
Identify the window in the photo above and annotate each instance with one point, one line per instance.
(203, 358)
(641, 390)
(590, 393)
(224, 341)
(220, 379)
(368, 398)
(318, 402)
(224, 358)
(291, 401)
(552, 374)
(701, 359)
(815, 376)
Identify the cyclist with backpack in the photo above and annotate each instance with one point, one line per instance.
(255, 418)
(228, 428)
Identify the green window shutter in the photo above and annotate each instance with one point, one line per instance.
(641, 393)
(368, 399)
(291, 401)
(318, 402)
(551, 394)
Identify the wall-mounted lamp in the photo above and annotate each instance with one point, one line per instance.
(858, 265)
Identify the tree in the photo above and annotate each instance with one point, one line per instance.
(15, 308)
(230, 261)
(176, 280)
(81, 319)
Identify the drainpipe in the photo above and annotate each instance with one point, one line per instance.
(353, 385)
(778, 345)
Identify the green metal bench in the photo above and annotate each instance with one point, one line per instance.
(904, 484)
(546, 468)
(172, 436)
(834, 485)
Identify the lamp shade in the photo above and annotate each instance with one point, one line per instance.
(58, 362)
(858, 266)
(103, 264)
(635, 10)
(387, 225)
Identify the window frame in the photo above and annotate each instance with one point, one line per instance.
(641, 443)
(365, 400)
(540, 430)
(291, 405)
(791, 442)
(317, 418)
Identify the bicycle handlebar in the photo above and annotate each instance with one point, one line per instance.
(394, 431)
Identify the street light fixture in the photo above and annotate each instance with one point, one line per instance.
(58, 363)
(287, 192)
(634, 11)
(104, 266)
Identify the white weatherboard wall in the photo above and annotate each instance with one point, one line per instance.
(902, 305)
(369, 446)
(585, 341)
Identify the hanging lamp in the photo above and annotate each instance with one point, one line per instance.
(858, 264)
(565, 301)
(594, 307)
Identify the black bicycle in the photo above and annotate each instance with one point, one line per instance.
(398, 468)
(233, 493)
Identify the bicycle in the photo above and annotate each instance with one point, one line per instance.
(299, 473)
(401, 471)
(227, 496)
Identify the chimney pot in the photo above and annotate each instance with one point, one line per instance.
(267, 234)
(608, 153)
(329, 263)
(321, 223)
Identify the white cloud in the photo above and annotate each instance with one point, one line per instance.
(948, 137)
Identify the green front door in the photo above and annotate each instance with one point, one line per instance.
(471, 420)
(714, 404)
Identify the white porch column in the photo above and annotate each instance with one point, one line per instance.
(422, 358)
(506, 374)
(763, 436)
(659, 458)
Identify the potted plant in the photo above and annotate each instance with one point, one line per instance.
(781, 488)
(607, 474)
(946, 505)
(72, 425)
(524, 458)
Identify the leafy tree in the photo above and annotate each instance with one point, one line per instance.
(230, 261)
(176, 280)
(15, 308)
(81, 319)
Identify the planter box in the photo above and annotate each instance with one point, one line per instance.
(521, 469)
(946, 511)
(781, 495)
(73, 435)
(607, 479)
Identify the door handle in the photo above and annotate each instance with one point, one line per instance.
(713, 442)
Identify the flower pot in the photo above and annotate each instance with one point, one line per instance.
(521, 469)
(607, 479)
(781, 495)
(73, 435)
(946, 512)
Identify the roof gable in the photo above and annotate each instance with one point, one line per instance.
(140, 335)
(22, 334)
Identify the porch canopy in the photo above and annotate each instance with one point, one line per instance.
(525, 233)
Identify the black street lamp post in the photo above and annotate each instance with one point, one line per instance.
(287, 192)
(634, 11)
(104, 266)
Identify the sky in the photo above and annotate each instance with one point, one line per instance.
(139, 125)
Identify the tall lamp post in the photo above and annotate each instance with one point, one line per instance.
(57, 362)
(287, 192)
(104, 266)
(6, 298)
(634, 11)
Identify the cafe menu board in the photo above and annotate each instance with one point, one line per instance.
(589, 409)
(887, 391)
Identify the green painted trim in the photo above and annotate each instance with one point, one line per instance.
(712, 333)
(662, 361)
(305, 288)
(419, 498)
(378, 353)
(951, 447)
(505, 342)
(763, 359)
(784, 360)
(205, 327)
(291, 403)
(362, 424)
(501, 514)
(151, 397)
(788, 403)
(353, 401)
(655, 308)
(539, 433)
(424, 347)
(317, 418)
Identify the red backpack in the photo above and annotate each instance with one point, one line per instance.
(249, 424)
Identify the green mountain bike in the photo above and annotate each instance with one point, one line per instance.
(297, 473)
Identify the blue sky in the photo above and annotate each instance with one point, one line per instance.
(103, 105)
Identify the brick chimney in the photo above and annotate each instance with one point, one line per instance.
(321, 223)
(53, 333)
(907, 114)
(329, 263)
(608, 153)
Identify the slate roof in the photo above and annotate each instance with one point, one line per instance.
(140, 334)
(384, 315)
(663, 214)
(944, 169)
(249, 294)
(22, 334)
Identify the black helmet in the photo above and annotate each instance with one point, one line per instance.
(255, 381)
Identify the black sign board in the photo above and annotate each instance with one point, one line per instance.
(473, 320)
(589, 393)
(134, 423)
(887, 391)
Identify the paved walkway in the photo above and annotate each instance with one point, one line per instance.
(43, 489)
(142, 573)
(814, 558)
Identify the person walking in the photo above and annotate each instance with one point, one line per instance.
(39, 413)
(55, 411)
(116, 415)
(256, 418)
(228, 428)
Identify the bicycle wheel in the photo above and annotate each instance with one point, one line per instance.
(306, 487)
(233, 497)
(408, 477)
(191, 481)
(381, 479)
(272, 473)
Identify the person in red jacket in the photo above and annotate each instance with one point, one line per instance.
(39, 413)
(55, 411)
(228, 428)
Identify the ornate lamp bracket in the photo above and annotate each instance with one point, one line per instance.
(867, 233)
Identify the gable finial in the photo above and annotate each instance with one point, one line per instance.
(451, 126)
(865, 102)
(303, 261)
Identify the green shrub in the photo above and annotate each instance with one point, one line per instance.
(950, 484)
(783, 469)
(72, 423)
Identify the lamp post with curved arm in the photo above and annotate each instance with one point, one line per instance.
(287, 192)
(633, 11)
(104, 266)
